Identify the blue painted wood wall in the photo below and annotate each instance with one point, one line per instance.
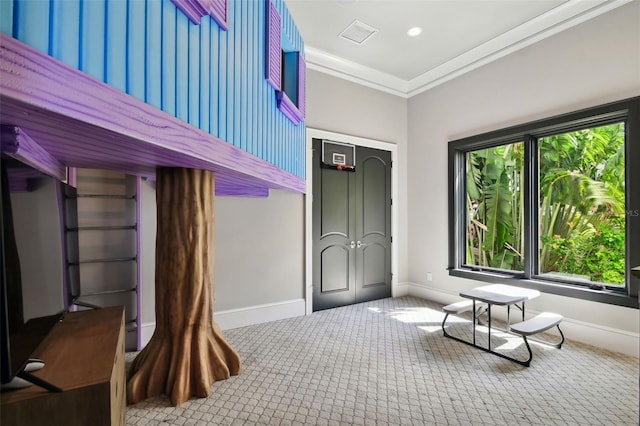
(210, 78)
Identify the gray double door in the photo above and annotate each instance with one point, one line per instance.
(351, 230)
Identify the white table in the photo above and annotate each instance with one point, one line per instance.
(500, 295)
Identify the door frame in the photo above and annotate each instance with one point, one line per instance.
(359, 141)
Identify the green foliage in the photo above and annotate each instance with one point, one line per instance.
(495, 213)
(598, 255)
(581, 205)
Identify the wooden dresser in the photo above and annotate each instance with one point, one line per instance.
(84, 356)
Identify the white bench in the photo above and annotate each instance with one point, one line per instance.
(541, 322)
(460, 307)
(537, 324)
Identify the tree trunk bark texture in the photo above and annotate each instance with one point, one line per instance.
(187, 352)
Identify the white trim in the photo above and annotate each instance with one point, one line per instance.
(614, 339)
(258, 314)
(355, 140)
(563, 17)
(433, 294)
(146, 331)
(403, 289)
(242, 317)
(321, 61)
(610, 338)
(550, 23)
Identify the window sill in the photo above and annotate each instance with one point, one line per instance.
(288, 108)
(578, 292)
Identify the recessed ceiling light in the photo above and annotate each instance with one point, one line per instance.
(415, 31)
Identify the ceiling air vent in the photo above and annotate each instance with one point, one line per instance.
(358, 32)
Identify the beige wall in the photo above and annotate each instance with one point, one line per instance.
(259, 255)
(147, 226)
(259, 250)
(340, 106)
(591, 64)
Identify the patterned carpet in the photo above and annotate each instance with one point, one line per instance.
(386, 363)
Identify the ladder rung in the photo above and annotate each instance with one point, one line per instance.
(120, 259)
(116, 196)
(101, 293)
(102, 228)
(84, 304)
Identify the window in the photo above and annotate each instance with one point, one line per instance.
(551, 205)
(581, 206)
(285, 69)
(494, 207)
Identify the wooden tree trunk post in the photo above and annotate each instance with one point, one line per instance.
(187, 352)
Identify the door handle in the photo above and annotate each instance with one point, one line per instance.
(361, 244)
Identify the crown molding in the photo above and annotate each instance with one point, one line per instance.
(560, 18)
(336, 66)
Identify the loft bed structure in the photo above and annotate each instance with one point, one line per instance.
(68, 119)
(206, 97)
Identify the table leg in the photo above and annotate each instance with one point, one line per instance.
(523, 310)
(489, 325)
(473, 323)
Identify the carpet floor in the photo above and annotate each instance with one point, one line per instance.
(386, 362)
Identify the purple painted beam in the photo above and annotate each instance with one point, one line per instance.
(17, 144)
(245, 193)
(223, 188)
(85, 123)
(22, 178)
(227, 186)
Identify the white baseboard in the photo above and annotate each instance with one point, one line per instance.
(402, 289)
(146, 331)
(614, 339)
(242, 317)
(429, 293)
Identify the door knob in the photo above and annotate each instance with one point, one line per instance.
(352, 244)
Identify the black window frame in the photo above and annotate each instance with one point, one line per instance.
(627, 111)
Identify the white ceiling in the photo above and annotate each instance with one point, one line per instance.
(458, 36)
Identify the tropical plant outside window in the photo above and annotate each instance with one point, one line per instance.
(495, 210)
(551, 204)
(582, 205)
